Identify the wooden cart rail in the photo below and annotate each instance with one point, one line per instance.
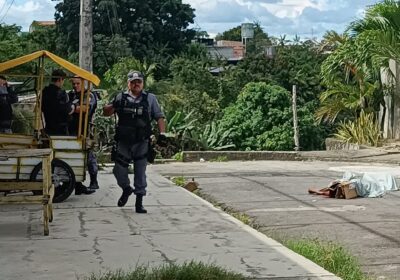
(46, 185)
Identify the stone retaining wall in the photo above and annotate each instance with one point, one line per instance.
(189, 156)
(335, 144)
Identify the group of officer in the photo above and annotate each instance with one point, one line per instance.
(61, 115)
(135, 108)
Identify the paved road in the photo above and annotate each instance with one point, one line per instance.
(275, 193)
(91, 234)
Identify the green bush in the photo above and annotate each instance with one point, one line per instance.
(364, 130)
(262, 119)
(186, 271)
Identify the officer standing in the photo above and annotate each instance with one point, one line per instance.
(57, 108)
(75, 97)
(56, 105)
(7, 97)
(135, 109)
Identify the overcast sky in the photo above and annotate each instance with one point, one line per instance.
(277, 17)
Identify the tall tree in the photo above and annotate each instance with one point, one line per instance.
(381, 25)
(154, 29)
(11, 44)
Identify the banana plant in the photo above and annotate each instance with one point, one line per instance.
(213, 137)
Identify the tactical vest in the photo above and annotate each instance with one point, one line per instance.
(134, 124)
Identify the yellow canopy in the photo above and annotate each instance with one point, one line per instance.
(62, 62)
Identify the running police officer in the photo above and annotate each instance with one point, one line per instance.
(75, 97)
(135, 109)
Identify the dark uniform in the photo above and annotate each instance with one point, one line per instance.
(56, 108)
(7, 97)
(73, 130)
(132, 137)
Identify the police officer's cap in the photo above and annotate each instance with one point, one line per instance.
(135, 75)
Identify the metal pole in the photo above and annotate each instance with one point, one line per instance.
(295, 120)
(86, 36)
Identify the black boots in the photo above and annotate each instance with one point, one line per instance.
(81, 189)
(126, 193)
(125, 196)
(139, 204)
(93, 182)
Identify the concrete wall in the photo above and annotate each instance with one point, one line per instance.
(221, 52)
(238, 155)
(335, 144)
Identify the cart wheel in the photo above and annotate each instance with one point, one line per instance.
(63, 178)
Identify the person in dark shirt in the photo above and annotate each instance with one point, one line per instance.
(75, 97)
(56, 105)
(57, 108)
(7, 97)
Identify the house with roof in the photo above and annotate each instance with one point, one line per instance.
(37, 24)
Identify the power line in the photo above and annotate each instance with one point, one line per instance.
(2, 7)
(12, 2)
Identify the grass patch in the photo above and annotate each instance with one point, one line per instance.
(219, 159)
(186, 271)
(330, 256)
(178, 156)
(179, 181)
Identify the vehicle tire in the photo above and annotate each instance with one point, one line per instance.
(63, 178)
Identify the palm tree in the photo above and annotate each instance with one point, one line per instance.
(352, 71)
(382, 25)
(361, 53)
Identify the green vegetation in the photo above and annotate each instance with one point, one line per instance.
(328, 255)
(156, 30)
(179, 181)
(352, 72)
(178, 156)
(363, 130)
(219, 159)
(192, 270)
(247, 106)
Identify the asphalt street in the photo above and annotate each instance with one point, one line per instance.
(90, 234)
(275, 194)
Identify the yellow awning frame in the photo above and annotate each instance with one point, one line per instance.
(46, 54)
(77, 71)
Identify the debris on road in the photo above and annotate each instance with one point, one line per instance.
(352, 185)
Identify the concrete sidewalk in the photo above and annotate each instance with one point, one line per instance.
(90, 234)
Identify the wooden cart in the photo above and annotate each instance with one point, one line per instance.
(27, 161)
(45, 187)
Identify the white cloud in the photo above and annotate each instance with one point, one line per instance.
(215, 16)
(291, 17)
(290, 8)
(23, 12)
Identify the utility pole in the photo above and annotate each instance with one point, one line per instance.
(295, 120)
(86, 36)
